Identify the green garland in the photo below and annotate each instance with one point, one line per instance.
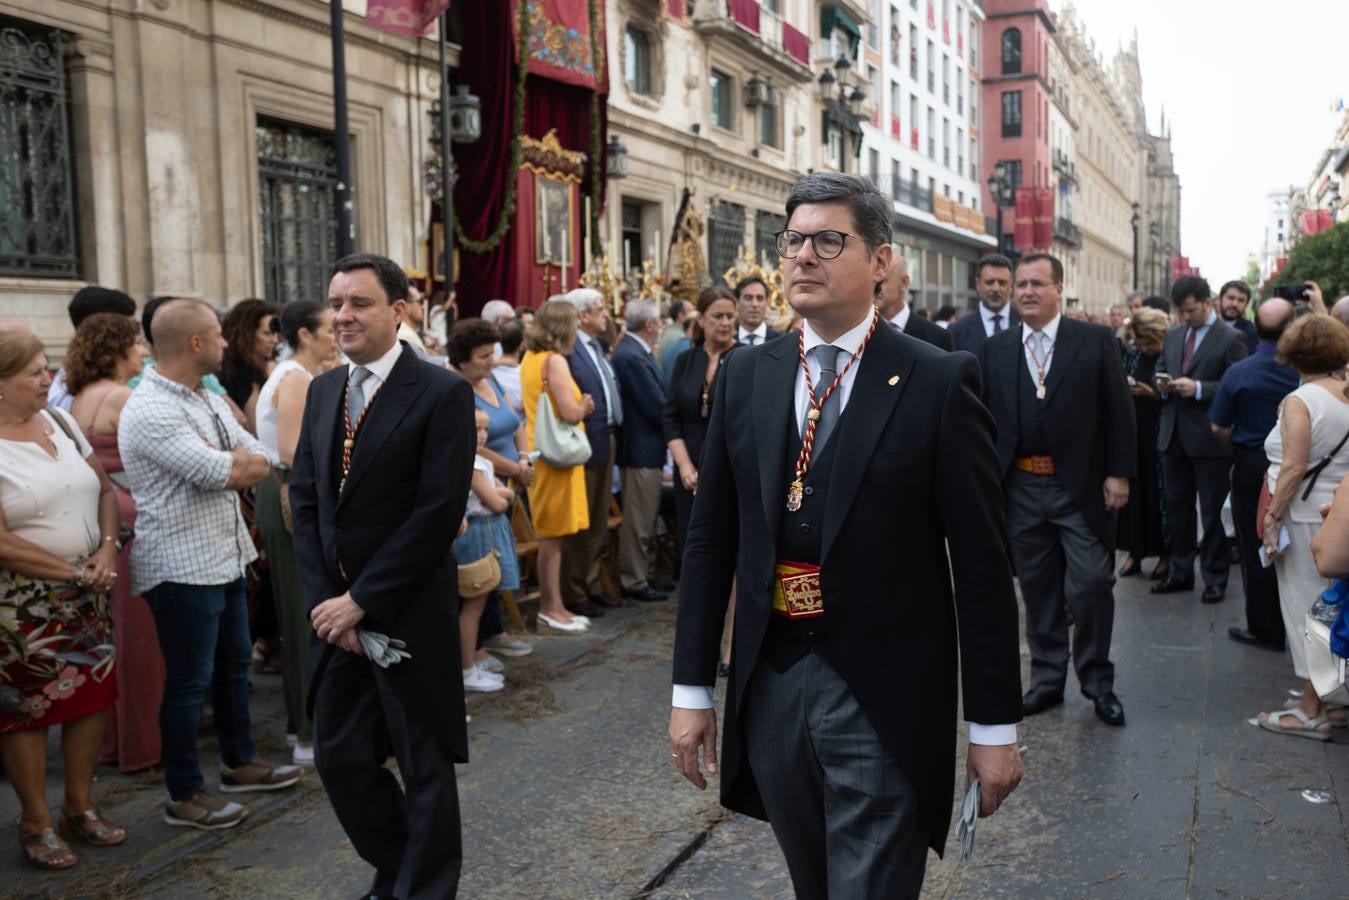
(503, 225)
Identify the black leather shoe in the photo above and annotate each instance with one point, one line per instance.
(1213, 594)
(603, 599)
(1037, 700)
(587, 608)
(1242, 636)
(664, 585)
(1170, 586)
(1108, 708)
(646, 594)
(1130, 568)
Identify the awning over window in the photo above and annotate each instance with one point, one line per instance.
(832, 17)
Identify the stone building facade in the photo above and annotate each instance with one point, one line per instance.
(197, 151)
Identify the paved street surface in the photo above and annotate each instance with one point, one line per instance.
(571, 794)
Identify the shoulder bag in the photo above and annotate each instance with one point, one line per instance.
(480, 577)
(560, 443)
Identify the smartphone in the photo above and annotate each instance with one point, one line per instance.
(1292, 292)
(1162, 378)
(1130, 379)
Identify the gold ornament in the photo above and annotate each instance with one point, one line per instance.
(746, 267)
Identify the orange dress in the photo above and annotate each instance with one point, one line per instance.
(557, 497)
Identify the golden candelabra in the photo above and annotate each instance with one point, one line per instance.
(604, 279)
(746, 267)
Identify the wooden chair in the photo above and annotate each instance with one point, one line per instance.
(527, 549)
(615, 520)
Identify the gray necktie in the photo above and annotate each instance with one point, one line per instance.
(750, 338)
(356, 394)
(827, 354)
(611, 386)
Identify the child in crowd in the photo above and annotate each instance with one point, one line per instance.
(489, 531)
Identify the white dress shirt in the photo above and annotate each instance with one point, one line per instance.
(760, 334)
(379, 371)
(1050, 331)
(986, 315)
(691, 696)
(606, 374)
(1199, 334)
(901, 318)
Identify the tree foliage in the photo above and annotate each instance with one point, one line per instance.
(1323, 258)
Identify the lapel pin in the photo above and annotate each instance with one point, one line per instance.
(894, 380)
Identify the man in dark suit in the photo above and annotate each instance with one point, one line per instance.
(583, 552)
(1066, 452)
(1233, 299)
(834, 508)
(379, 485)
(993, 280)
(642, 450)
(1194, 460)
(751, 310)
(891, 296)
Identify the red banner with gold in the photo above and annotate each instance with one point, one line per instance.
(1023, 225)
(559, 42)
(1043, 232)
(413, 18)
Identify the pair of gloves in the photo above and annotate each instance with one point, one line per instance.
(382, 650)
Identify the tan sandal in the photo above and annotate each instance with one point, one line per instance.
(45, 850)
(90, 827)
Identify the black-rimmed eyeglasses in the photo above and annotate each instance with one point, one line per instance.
(827, 244)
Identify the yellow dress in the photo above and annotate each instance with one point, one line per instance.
(557, 497)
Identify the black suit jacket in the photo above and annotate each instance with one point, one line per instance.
(683, 419)
(393, 527)
(1087, 413)
(968, 330)
(1185, 418)
(643, 392)
(914, 472)
(918, 327)
(591, 381)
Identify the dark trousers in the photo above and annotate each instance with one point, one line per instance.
(203, 635)
(413, 840)
(1209, 480)
(842, 809)
(1263, 618)
(583, 552)
(1063, 567)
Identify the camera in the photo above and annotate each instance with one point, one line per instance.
(1293, 293)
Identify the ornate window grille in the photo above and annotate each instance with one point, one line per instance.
(725, 236)
(766, 227)
(297, 178)
(37, 196)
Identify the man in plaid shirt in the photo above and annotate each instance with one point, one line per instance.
(186, 457)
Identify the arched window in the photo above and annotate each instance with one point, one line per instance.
(1011, 51)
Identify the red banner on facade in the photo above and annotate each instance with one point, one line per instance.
(675, 9)
(797, 44)
(1023, 222)
(1044, 218)
(413, 18)
(745, 13)
(559, 42)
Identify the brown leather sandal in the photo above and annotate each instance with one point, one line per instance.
(46, 850)
(90, 827)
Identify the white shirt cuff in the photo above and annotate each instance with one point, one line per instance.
(693, 696)
(1199, 390)
(995, 735)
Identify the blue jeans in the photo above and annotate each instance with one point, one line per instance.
(203, 634)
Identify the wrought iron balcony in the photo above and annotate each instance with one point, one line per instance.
(1066, 231)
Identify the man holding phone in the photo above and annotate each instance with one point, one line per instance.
(1194, 461)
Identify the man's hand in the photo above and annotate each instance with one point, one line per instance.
(689, 730)
(350, 641)
(334, 616)
(1184, 387)
(1116, 493)
(998, 768)
(1314, 298)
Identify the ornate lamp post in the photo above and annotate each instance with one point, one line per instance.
(1000, 190)
(1135, 220)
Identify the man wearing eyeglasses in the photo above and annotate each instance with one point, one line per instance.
(1066, 453)
(186, 458)
(840, 722)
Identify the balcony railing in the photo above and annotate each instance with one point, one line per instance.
(1066, 231)
(910, 193)
(754, 25)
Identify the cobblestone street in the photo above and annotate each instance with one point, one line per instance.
(570, 793)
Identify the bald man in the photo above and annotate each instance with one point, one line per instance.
(17, 326)
(1340, 310)
(187, 458)
(1244, 410)
(892, 303)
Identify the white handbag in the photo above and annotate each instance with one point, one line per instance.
(560, 443)
(1325, 670)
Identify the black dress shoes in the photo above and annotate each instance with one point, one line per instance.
(603, 599)
(1213, 594)
(1242, 636)
(1037, 700)
(1108, 708)
(646, 594)
(588, 608)
(665, 586)
(1171, 586)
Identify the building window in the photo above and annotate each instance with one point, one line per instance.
(297, 174)
(946, 142)
(945, 79)
(931, 134)
(725, 236)
(1012, 170)
(721, 100)
(960, 151)
(834, 138)
(931, 69)
(974, 162)
(913, 52)
(1011, 114)
(637, 61)
(37, 205)
(873, 25)
(770, 119)
(1011, 51)
(766, 228)
(874, 166)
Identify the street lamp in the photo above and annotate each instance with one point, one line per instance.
(1153, 231)
(846, 103)
(1168, 250)
(617, 153)
(998, 189)
(1134, 221)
